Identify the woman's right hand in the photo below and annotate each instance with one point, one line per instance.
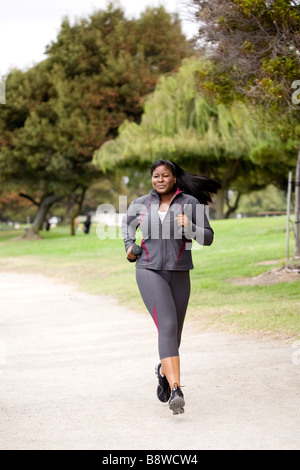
(130, 255)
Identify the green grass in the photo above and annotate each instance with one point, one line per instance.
(100, 267)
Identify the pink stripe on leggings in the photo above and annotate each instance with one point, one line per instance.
(155, 317)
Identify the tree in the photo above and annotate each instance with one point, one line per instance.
(60, 111)
(23, 124)
(181, 124)
(255, 46)
(256, 41)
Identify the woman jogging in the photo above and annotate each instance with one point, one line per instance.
(169, 217)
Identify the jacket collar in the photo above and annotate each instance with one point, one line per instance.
(154, 193)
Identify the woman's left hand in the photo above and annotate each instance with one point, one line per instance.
(183, 221)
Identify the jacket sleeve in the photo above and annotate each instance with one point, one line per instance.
(199, 229)
(130, 223)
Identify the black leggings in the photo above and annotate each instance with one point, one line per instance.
(166, 295)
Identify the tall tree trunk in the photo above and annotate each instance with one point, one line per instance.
(43, 207)
(220, 203)
(67, 217)
(232, 209)
(297, 208)
(229, 176)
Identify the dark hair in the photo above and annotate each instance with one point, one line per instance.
(201, 187)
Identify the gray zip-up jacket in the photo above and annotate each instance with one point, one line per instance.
(165, 246)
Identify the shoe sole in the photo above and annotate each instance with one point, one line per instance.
(177, 406)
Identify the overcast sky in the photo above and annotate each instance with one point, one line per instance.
(27, 26)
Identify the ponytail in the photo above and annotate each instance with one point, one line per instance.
(201, 187)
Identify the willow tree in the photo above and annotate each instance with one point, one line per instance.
(183, 125)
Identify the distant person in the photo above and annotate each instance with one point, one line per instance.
(87, 224)
(168, 218)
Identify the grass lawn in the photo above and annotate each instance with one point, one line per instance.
(240, 246)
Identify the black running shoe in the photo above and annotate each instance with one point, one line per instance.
(176, 403)
(163, 388)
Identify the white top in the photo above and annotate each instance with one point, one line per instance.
(162, 215)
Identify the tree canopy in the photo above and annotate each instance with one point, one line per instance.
(254, 47)
(256, 44)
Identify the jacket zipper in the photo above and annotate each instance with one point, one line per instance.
(160, 227)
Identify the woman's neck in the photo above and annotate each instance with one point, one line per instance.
(167, 198)
(165, 201)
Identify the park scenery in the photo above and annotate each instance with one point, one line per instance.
(78, 134)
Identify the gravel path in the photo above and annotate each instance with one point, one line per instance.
(77, 372)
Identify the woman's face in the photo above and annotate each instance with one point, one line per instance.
(163, 180)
